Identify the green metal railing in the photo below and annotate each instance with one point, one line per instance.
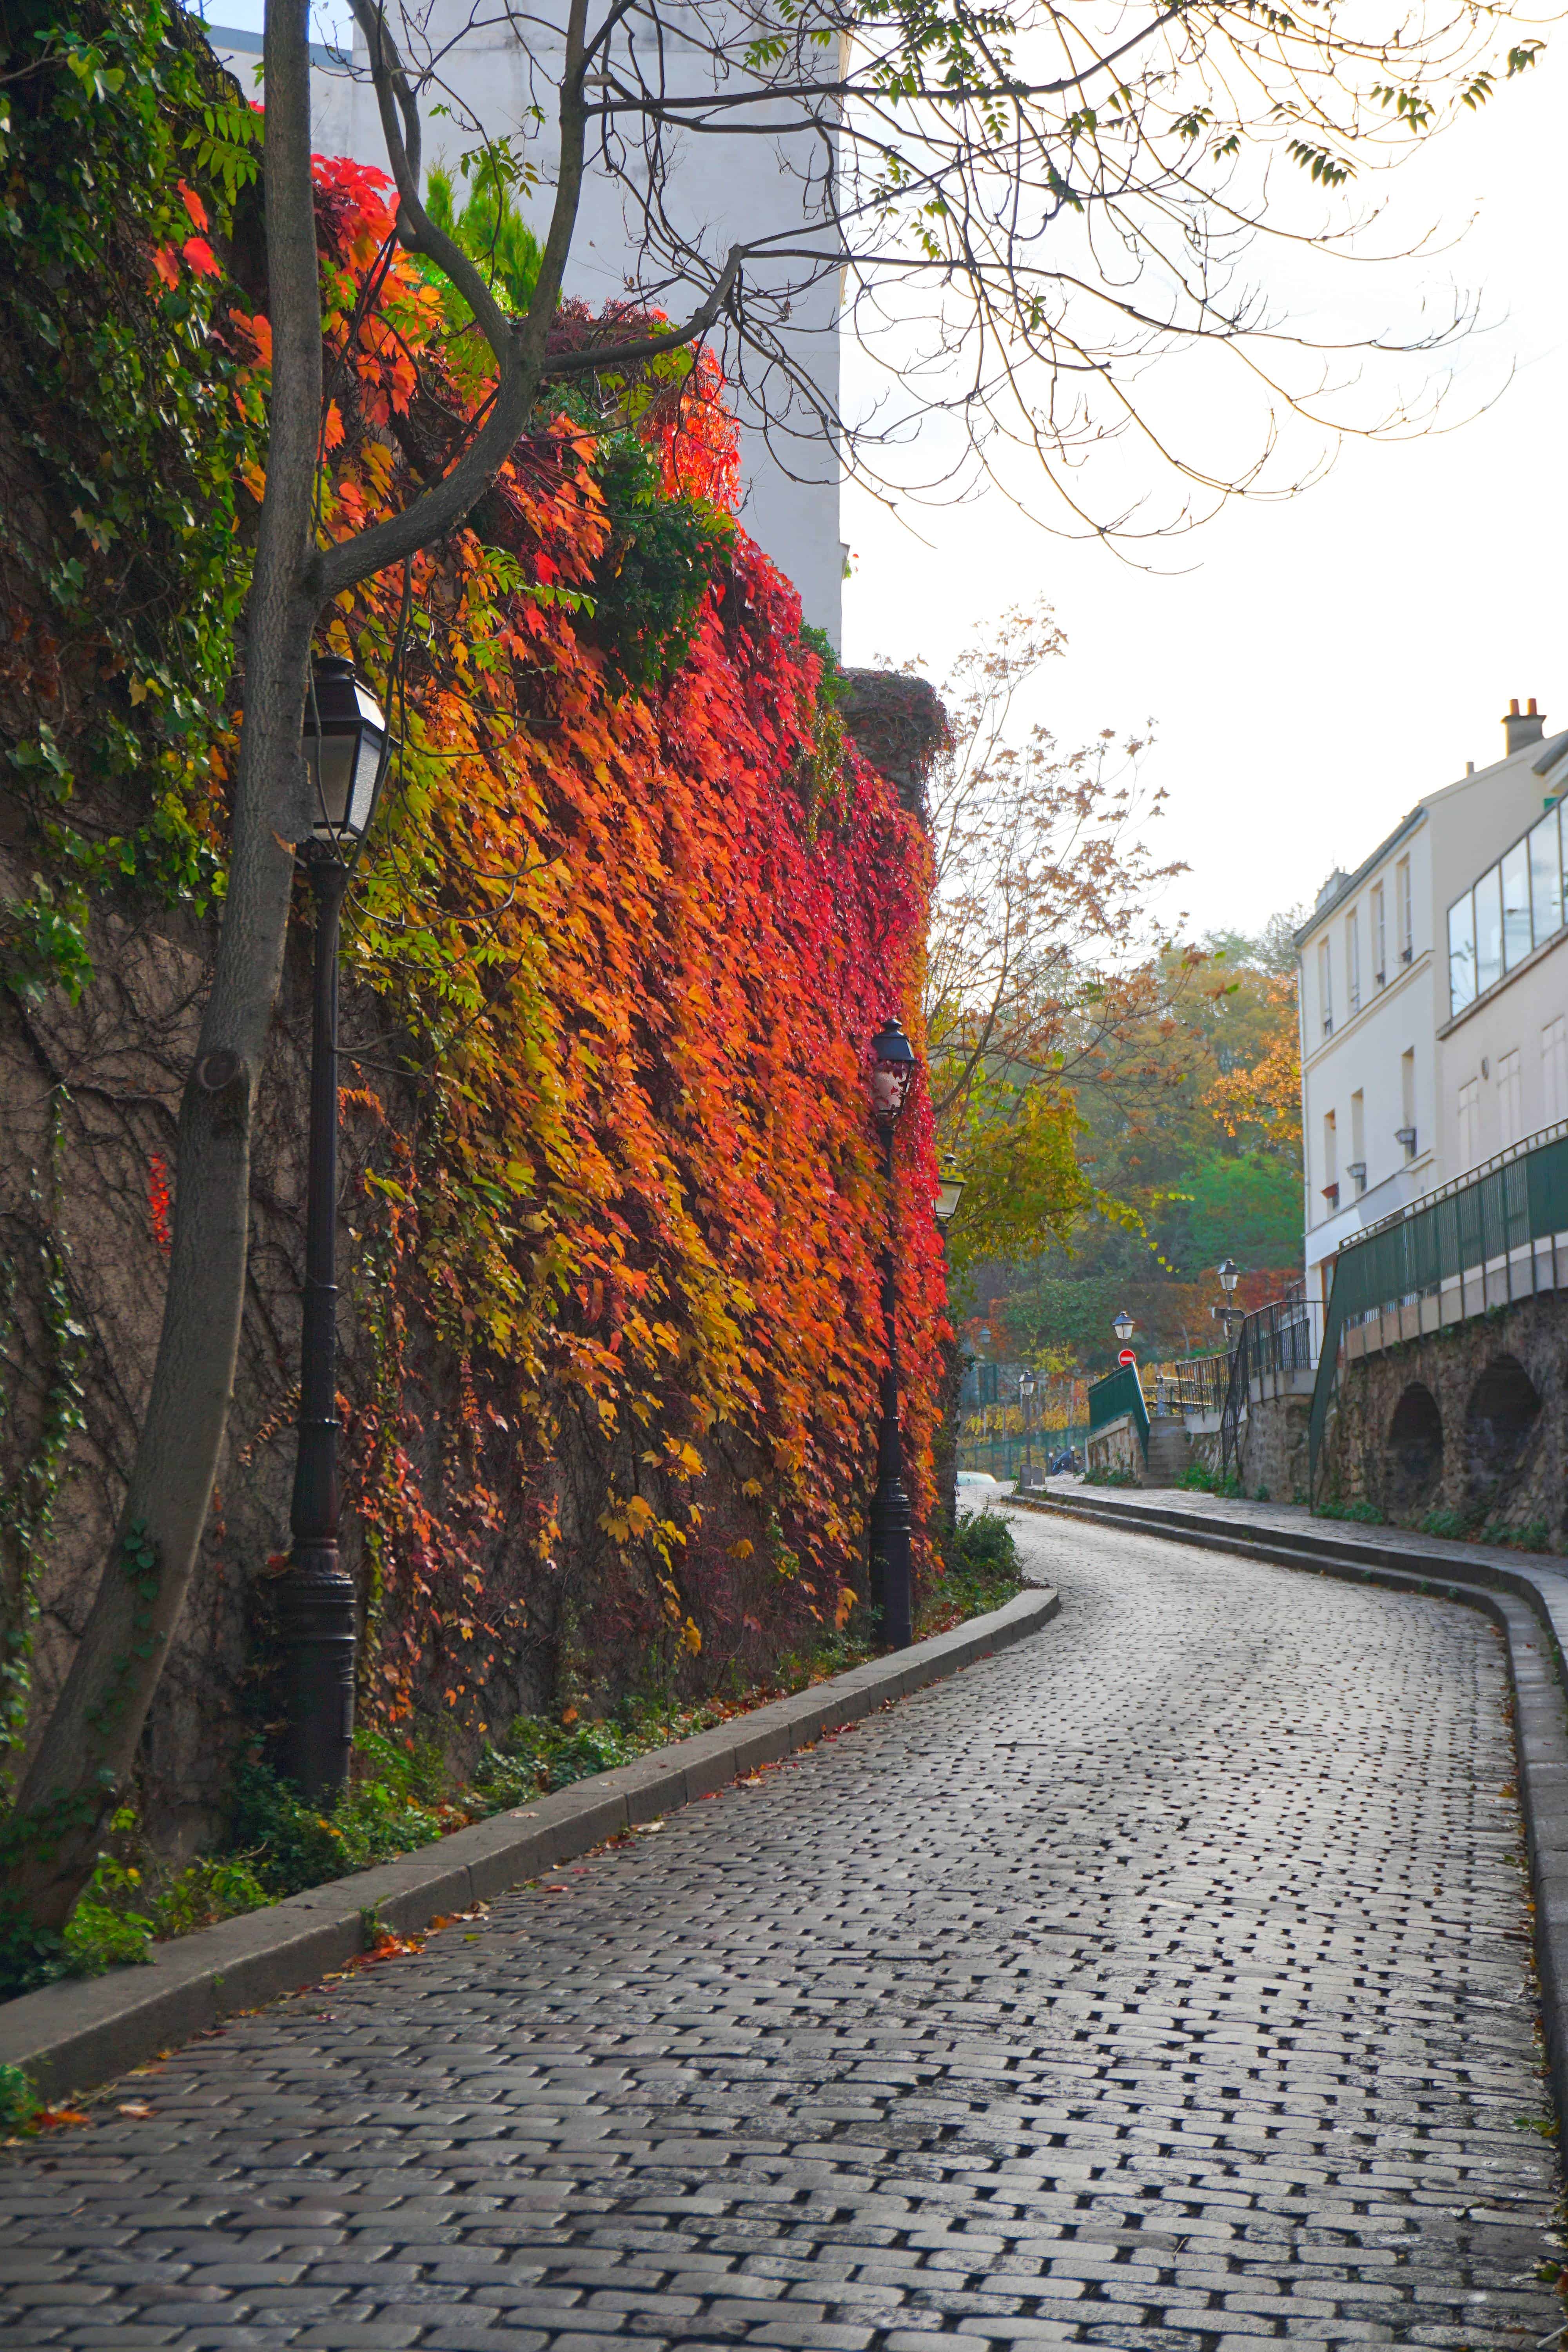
(1497, 1234)
(1005, 1456)
(1120, 1392)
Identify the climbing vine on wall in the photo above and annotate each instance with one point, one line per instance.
(632, 909)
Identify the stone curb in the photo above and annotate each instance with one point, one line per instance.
(1531, 1606)
(72, 2036)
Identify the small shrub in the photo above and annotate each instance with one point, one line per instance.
(20, 2103)
(1450, 1524)
(1198, 1479)
(392, 1806)
(1535, 1536)
(540, 1756)
(980, 1573)
(1111, 1479)
(1366, 1515)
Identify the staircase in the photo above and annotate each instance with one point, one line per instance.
(1169, 1452)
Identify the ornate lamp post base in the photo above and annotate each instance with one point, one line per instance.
(893, 1575)
(317, 1620)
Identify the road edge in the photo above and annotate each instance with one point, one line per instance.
(1517, 1600)
(75, 2035)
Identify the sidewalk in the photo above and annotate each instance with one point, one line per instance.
(1402, 1548)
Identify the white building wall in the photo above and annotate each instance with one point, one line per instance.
(1503, 1059)
(724, 191)
(1352, 1067)
(1476, 1081)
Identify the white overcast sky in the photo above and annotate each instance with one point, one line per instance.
(1311, 667)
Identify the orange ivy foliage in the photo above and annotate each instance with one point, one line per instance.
(621, 1221)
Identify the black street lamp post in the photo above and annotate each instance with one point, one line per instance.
(944, 1207)
(1026, 1399)
(892, 1580)
(1228, 1313)
(345, 741)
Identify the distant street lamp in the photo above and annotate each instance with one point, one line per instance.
(1229, 1275)
(949, 1192)
(345, 743)
(892, 1582)
(1026, 1398)
(1123, 1327)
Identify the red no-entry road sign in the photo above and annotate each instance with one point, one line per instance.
(1127, 1357)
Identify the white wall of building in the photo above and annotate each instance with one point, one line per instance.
(724, 191)
(1384, 1050)
(1502, 1058)
(1369, 973)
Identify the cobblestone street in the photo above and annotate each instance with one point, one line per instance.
(1160, 1983)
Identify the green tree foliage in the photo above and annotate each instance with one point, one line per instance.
(492, 232)
(656, 570)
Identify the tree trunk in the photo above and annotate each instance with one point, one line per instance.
(52, 1837)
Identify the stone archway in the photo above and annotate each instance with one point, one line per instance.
(1498, 1419)
(1414, 1450)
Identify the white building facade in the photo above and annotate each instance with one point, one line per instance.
(1434, 995)
(726, 190)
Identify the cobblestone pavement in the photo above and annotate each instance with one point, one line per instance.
(1161, 1983)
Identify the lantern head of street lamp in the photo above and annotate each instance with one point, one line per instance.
(345, 740)
(1229, 1275)
(1027, 1385)
(1123, 1326)
(893, 1074)
(949, 1189)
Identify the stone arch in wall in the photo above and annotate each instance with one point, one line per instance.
(1414, 1450)
(1500, 1418)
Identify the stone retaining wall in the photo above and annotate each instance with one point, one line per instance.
(1471, 1421)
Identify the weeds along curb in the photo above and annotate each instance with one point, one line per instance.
(73, 2036)
(1532, 1609)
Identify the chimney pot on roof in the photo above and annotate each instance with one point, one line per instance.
(1520, 729)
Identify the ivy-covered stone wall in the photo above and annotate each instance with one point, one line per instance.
(634, 905)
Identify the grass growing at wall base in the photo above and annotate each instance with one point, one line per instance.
(401, 1798)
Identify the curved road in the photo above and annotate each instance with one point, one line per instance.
(1161, 1983)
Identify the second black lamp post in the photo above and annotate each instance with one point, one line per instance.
(892, 1577)
(345, 745)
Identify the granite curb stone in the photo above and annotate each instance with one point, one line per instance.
(1524, 1601)
(71, 2036)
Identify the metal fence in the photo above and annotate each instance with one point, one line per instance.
(1007, 1456)
(1195, 1385)
(1120, 1392)
(1272, 1343)
(1495, 1235)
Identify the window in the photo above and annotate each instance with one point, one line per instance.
(1407, 911)
(1379, 939)
(1554, 1069)
(1515, 872)
(1330, 1162)
(1326, 986)
(1352, 957)
(1511, 1096)
(1406, 1134)
(1488, 930)
(1470, 1123)
(1546, 877)
(1462, 953)
(1355, 1168)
